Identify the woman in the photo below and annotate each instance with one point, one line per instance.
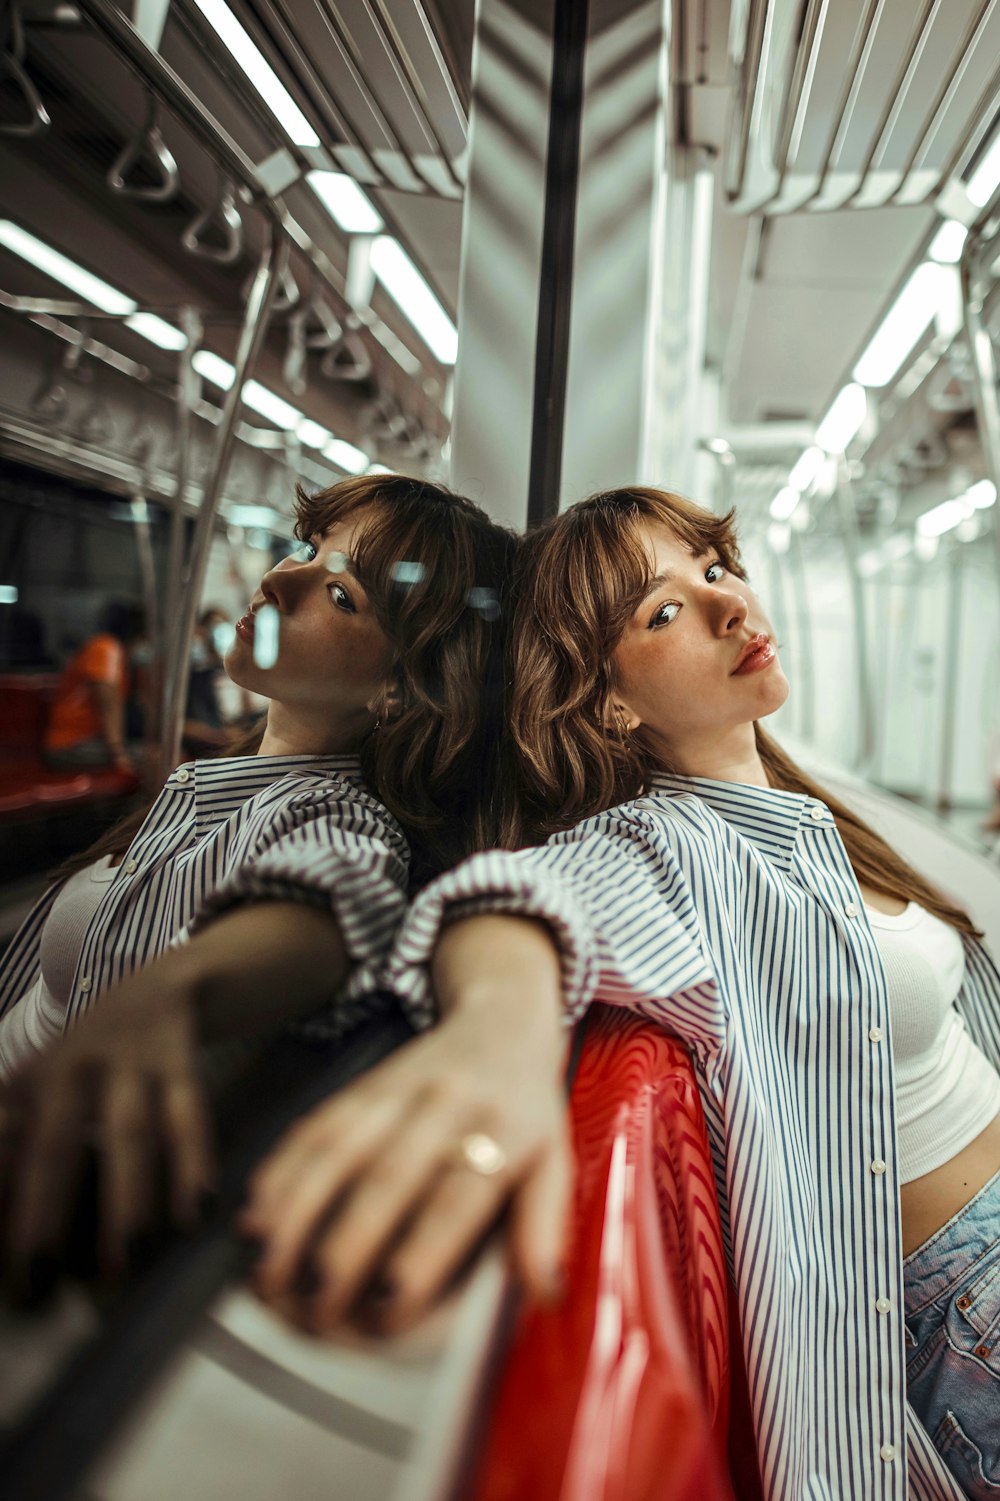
(261, 888)
(694, 874)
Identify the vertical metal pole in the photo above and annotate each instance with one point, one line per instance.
(985, 377)
(849, 536)
(273, 261)
(950, 670)
(555, 294)
(188, 387)
(803, 616)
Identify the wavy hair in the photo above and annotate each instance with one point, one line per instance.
(580, 578)
(437, 571)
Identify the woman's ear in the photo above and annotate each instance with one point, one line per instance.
(625, 718)
(387, 702)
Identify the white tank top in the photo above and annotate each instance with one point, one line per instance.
(947, 1091)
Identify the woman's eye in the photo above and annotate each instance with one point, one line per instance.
(664, 614)
(303, 552)
(718, 569)
(342, 599)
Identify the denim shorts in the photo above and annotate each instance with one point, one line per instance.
(952, 1294)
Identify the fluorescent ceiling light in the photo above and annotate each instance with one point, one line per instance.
(346, 456)
(157, 331)
(917, 305)
(211, 367)
(981, 495)
(413, 296)
(843, 419)
(312, 434)
(84, 283)
(946, 246)
(784, 503)
(263, 516)
(344, 201)
(259, 71)
(259, 399)
(807, 468)
(980, 186)
(942, 518)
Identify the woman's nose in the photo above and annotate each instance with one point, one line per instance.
(732, 611)
(278, 582)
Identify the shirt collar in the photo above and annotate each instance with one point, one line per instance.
(768, 816)
(222, 783)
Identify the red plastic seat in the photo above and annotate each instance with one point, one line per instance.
(622, 1392)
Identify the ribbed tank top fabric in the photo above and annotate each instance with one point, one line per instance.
(947, 1092)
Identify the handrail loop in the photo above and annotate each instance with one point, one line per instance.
(147, 142)
(12, 63)
(216, 234)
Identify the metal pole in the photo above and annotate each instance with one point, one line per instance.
(188, 387)
(950, 669)
(849, 536)
(273, 262)
(985, 376)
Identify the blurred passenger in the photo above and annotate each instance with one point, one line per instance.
(695, 875)
(205, 732)
(263, 888)
(87, 722)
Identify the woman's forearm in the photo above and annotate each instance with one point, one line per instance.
(254, 968)
(505, 967)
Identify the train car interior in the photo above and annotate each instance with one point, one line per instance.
(747, 251)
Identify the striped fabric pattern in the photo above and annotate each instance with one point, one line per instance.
(232, 830)
(731, 915)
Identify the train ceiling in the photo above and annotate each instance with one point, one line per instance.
(837, 145)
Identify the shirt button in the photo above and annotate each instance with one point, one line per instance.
(85, 983)
(818, 812)
(878, 1167)
(851, 910)
(887, 1452)
(882, 1305)
(183, 775)
(874, 1034)
(131, 867)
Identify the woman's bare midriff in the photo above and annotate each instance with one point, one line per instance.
(929, 1202)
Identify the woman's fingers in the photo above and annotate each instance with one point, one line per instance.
(342, 1133)
(540, 1222)
(188, 1138)
(405, 1169)
(127, 1151)
(50, 1148)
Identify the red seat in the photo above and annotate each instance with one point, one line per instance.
(622, 1391)
(28, 786)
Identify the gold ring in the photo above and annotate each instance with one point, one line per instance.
(480, 1154)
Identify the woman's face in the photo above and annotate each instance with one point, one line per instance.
(332, 656)
(683, 669)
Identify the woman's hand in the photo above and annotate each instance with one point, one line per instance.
(368, 1202)
(124, 1081)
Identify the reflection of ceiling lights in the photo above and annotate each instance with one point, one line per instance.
(843, 420)
(157, 330)
(53, 263)
(981, 185)
(806, 469)
(344, 201)
(784, 503)
(413, 296)
(925, 295)
(952, 513)
(259, 71)
(946, 246)
(346, 456)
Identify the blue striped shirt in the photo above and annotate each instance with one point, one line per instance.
(731, 915)
(227, 831)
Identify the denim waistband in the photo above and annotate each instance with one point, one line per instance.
(961, 1240)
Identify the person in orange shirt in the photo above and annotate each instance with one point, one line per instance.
(87, 721)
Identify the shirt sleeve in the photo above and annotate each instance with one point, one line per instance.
(618, 906)
(333, 847)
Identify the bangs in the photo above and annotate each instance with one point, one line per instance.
(611, 548)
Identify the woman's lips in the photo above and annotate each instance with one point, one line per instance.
(244, 628)
(761, 656)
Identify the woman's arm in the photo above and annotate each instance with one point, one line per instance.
(126, 1077)
(385, 1154)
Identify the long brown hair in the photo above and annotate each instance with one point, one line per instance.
(437, 571)
(581, 576)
